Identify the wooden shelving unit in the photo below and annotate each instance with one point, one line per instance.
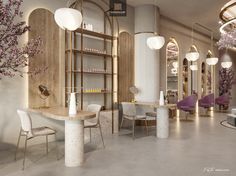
(78, 52)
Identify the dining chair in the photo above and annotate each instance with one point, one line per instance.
(29, 132)
(129, 113)
(94, 122)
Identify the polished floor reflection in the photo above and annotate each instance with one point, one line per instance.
(197, 148)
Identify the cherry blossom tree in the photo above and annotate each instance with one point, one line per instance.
(13, 56)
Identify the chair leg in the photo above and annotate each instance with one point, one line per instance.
(25, 152)
(133, 129)
(121, 122)
(47, 144)
(186, 115)
(100, 129)
(146, 125)
(57, 148)
(17, 145)
(90, 135)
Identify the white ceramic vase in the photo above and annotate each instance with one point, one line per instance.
(72, 106)
(161, 101)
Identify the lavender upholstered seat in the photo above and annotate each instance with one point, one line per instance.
(222, 100)
(207, 101)
(188, 104)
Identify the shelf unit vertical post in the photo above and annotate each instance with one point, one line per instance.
(81, 61)
(112, 77)
(66, 66)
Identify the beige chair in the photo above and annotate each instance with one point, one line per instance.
(151, 116)
(129, 113)
(94, 122)
(29, 133)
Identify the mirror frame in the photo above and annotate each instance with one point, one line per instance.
(173, 40)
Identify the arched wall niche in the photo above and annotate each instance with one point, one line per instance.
(172, 71)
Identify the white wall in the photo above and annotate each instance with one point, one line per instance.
(14, 91)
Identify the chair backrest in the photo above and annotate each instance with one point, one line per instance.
(26, 123)
(96, 109)
(189, 101)
(129, 109)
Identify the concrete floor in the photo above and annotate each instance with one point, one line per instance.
(199, 148)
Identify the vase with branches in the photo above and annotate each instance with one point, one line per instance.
(226, 80)
(13, 56)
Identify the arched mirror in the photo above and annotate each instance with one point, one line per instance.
(209, 80)
(172, 69)
(203, 79)
(195, 70)
(185, 78)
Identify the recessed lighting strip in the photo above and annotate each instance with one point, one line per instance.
(222, 31)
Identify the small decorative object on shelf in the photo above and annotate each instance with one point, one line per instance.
(95, 50)
(88, 27)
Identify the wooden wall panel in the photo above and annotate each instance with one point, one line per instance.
(126, 66)
(43, 24)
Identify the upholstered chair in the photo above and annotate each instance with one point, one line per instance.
(129, 113)
(222, 101)
(94, 122)
(29, 132)
(206, 102)
(188, 104)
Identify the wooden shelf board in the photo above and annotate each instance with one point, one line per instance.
(89, 53)
(92, 92)
(86, 72)
(95, 34)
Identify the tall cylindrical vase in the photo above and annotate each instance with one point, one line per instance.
(161, 101)
(72, 106)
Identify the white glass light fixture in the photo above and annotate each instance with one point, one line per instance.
(175, 64)
(68, 18)
(155, 42)
(193, 54)
(210, 59)
(226, 61)
(193, 67)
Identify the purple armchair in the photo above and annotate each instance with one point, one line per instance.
(222, 101)
(206, 102)
(188, 104)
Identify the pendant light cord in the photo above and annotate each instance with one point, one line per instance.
(192, 33)
(155, 18)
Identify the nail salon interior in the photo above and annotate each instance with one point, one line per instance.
(117, 87)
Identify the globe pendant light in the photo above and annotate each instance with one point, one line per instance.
(226, 61)
(68, 18)
(156, 41)
(193, 53)
(210, 60)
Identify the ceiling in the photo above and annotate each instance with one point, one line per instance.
(205, 12)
